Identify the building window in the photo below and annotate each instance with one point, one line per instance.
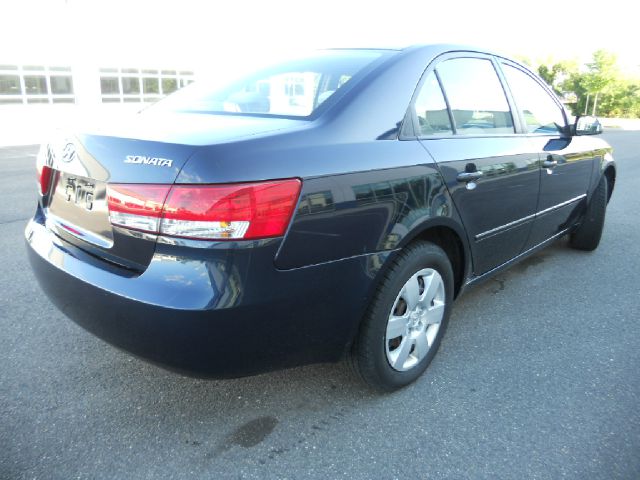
(150, 85)
(169, 85)
(10, 85)
(61, 85)
(35, 84)
(128, 85)
(109, 85)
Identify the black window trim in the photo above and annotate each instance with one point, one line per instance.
(452, 120)
(518, 121)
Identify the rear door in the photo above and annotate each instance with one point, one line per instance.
(566, 167)
(470, 133)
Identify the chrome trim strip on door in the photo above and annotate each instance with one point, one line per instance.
(560, 205)
(506, 226)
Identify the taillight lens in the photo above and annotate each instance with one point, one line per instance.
(45, 171)
(215, 212)
(137, 206)
(44, 178)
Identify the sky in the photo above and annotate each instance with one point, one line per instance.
(201, 34)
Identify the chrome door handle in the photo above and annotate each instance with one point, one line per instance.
(469, 176)
(550, 162)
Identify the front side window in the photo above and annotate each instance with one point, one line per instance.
(541, 113)
(476, 98)
(296, 88)
(431, 109)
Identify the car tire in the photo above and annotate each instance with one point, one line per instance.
(413, 300)
(587, 235)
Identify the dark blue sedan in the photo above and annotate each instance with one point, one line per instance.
(328, 207)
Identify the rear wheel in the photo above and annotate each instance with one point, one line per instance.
(407, 318)
(587, 235)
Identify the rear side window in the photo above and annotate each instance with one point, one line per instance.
(477, 100)
(541, 113)
(431, 109)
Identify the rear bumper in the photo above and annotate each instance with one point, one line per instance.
(223, 311)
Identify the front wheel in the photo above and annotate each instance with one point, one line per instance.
(407, 318)
(587, 235)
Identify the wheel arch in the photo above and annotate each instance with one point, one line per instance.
(610, 175)
(449, 236)
(607, 169)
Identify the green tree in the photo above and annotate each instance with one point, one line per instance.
(602, 75)
(624, 99)
(600, 87)
(603, 85)
(575, 84)
(556, 74)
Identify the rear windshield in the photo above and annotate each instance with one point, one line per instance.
(292, 89)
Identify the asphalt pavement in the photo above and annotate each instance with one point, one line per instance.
(537, 378)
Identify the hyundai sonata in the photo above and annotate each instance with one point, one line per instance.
(328, 207)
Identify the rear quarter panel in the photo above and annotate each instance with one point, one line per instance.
(391, 189)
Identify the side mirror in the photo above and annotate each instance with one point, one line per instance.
(587, 125)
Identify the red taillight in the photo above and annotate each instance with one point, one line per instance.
(237, 211)
(137, 206)
(44, 178)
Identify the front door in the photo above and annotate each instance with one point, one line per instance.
(565, 166)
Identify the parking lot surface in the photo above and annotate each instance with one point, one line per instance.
(537, 377)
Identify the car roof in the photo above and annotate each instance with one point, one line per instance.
(433, 48)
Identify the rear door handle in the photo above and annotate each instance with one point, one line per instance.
(469, 176)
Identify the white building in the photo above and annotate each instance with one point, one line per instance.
(32, 83)
(62, 59)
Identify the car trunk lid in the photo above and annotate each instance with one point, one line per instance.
(143, 149)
